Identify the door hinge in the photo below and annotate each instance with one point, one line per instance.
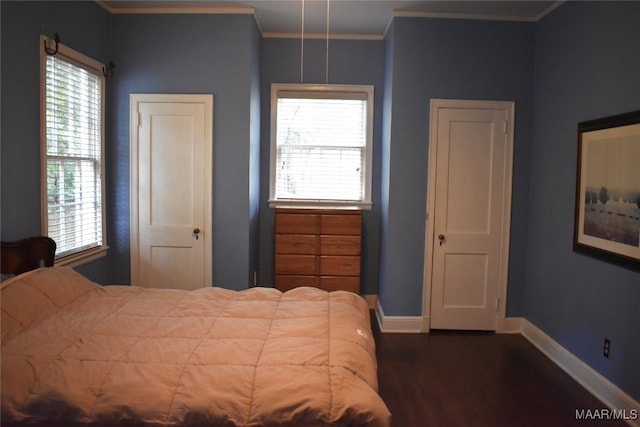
(139, 118)
(497, 303)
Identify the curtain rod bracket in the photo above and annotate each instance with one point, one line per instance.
(108, 70)
(50, 51)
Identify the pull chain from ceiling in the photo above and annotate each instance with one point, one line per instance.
(326, 61)
(302, 46)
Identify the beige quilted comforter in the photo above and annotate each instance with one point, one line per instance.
(77, 352)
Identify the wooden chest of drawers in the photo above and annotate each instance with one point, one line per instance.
(318, 248)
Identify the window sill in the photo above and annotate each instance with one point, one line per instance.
(313, 204)
(80, 258)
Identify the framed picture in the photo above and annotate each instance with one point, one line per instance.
(607, 216)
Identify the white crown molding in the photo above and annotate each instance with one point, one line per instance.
(246, 10)
(469, 16)
(397, 13)
(551, 8)
(212, 10)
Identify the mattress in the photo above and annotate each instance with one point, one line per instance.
(77, 352)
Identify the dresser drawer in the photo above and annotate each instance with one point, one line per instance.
(297, 244)
(340, 245)
(297, 223)
(296, 264)
(339, 265)
(348, 224)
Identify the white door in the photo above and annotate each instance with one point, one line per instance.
(171, 160)
(470, 211)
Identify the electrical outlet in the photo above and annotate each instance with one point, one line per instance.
(607, 347)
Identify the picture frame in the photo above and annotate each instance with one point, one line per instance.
(607, 210)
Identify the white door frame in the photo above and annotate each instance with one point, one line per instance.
(134, 101)
(437, 104)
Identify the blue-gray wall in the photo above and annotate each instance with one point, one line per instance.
(587, 65)
(211, 54)
(254, 156)
(84, 26)
(350, 62)
(385, 292)
(578, 63)
(446, 58)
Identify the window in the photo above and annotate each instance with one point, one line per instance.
(321, 138)
(72, 101)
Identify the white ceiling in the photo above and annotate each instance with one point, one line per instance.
(347, 18)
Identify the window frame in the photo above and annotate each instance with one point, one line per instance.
(316, 91)
(78, 256)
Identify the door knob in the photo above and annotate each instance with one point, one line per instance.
(196, 231)
(441, 238)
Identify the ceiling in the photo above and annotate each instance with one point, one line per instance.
(347, 18)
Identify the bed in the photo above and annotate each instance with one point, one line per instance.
(74, 352)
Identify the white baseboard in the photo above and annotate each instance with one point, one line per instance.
(400, 324)
(371, 301)
(420, 324)
(509, 325)
(610, 394)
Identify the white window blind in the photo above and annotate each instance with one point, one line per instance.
(322, 145)
(73, 119)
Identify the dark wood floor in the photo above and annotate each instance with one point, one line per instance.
(454, 379)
